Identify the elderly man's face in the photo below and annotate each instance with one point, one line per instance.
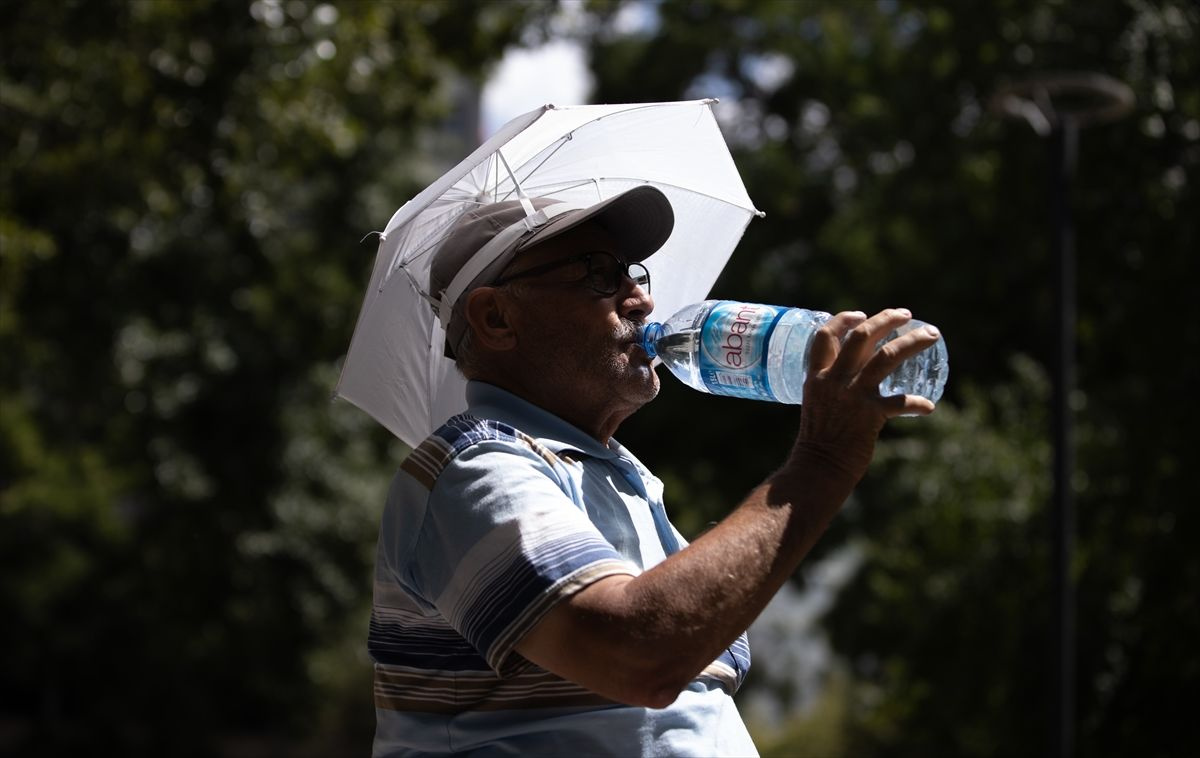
(578, 344)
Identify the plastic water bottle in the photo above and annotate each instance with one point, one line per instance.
(761, 352)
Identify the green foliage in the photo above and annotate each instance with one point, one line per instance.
(186, 522)
(954, 545)
(818, 732)
(864, 132)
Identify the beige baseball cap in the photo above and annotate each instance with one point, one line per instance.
(485, 240)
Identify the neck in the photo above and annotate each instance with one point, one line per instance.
(599, 423)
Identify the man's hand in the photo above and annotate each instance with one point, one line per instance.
(843, 411)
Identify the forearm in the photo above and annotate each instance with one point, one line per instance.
(648, 636)
(725, 579)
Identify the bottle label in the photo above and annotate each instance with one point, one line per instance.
(733, 349)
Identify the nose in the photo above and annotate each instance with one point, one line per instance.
(636, 303)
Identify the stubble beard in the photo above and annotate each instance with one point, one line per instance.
(610, 370)
(633, 372)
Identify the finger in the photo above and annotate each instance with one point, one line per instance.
(863, 340)
(894, 352)
(828, 340)
(906, 405)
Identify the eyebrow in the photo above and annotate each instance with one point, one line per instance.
(543, 267)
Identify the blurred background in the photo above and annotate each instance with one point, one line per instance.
(187, 522)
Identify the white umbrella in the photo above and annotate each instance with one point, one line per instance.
(395, 369)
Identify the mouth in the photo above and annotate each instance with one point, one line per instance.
(638, 353)
(630, 336)
(634, 341)
(631, 332)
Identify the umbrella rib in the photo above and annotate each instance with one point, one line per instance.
(561, 141)
(562, 188)
(655, 183)
(494, 170)
(525, 204)
(422, 252)
(412, 281)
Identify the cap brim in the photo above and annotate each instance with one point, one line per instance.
(639, 220)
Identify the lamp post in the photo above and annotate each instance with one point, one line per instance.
(1058, 107)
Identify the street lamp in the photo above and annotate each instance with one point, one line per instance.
(1058, 106)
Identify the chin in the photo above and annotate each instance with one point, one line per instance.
(647, 383)
(637, 379)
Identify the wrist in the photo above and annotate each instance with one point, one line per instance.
(823, 471)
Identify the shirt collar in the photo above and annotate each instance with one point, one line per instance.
(489, 401)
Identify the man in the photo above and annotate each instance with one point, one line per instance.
(531, 597)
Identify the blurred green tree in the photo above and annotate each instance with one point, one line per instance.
(863, 131)
(186, 523)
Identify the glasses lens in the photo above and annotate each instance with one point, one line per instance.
(606, 274)
(640, 275)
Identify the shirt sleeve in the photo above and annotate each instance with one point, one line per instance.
(501, 543)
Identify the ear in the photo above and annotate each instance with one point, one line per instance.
(488, 314)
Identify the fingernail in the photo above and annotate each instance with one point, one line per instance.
(904, 311)
(932, 331)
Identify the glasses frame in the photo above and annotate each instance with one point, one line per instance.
(625, 270)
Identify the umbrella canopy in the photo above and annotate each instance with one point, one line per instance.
(395, 369)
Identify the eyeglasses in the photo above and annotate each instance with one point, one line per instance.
(605, 272)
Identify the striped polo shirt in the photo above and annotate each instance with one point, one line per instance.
(500, 514)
